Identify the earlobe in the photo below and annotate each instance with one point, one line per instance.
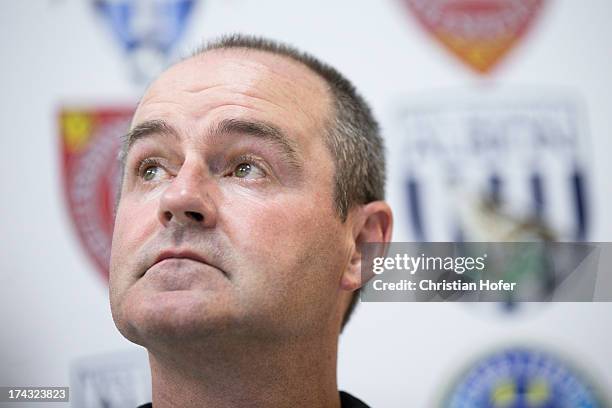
(373, 224)
(351, 278)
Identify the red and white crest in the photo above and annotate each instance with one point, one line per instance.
(479, 32)
(90, 140)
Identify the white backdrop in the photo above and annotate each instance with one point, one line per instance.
(54, 304)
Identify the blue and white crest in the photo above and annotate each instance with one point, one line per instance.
(146, 29)
(522, 378)
(490, 165)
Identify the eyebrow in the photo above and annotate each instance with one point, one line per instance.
(263, 130)
(260, 129)
(146, 129)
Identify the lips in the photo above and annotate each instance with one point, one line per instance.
(179, 254)
(174, 253)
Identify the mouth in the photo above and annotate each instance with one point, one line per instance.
(178, 254)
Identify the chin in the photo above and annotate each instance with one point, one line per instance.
(172, 316)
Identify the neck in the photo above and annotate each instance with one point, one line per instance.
(262, 375)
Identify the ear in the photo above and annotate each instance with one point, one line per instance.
(373, 223)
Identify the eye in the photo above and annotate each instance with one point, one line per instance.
(150, 173)
(247, 170)
(150, 170)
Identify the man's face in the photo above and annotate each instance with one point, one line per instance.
(226, 222)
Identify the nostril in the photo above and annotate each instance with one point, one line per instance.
(194, 215)
(167, 215)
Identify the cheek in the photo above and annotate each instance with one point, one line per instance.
(129, 236)
(291, 253)
(262, 224)
(289, 240)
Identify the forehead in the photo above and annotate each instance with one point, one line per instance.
(239, 83)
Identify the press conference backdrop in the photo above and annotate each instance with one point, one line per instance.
(494, 113)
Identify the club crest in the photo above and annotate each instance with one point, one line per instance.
(147, 30)
(90, 141)
(479, 32)
(493, 166)
(114, 380)
(522, 378)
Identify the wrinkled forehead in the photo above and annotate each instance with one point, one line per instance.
(274, 86)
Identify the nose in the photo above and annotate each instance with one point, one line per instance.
(187, 199)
